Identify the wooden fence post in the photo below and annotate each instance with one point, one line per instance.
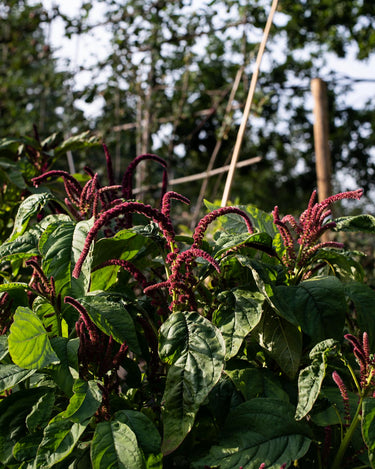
(321, 138)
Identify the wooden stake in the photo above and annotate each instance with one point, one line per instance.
(249, 100)
(321, 139)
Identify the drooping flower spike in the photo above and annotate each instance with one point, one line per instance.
(108, 159)
(166, 201)
(179, 283)
(123, 209)
(127, 185)
(128, 266)
(210, 217)
(72, 186)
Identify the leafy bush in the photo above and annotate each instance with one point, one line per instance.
(126, 345)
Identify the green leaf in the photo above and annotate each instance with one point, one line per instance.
(237, 315)
(14, 286)
(195, 350)
(147, 434)
(41, 411)
(10, 375)
(310, 381)
(81, 141)
(363, 298)
(311, 378)
(319, 305)
(226, 241)
(29, 345)
(59, 439)
(26, 448)
(259, 431)
(341, 264)
(368, 422)
(364, 223)
(3, 346)
(23, 247)
(110, 314)
(254, 382)
(28, 208)
(47, 314)
(67, 351)
(125, 245)
(84, 402)
(114, 446)
(60, 245)
(13, 412)
(282, 340)
(368, 425)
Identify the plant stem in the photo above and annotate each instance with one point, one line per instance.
(337, 463)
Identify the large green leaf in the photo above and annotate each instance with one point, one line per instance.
(341, 264)
(110, 314)
(254, 382)
(59, 439)
(82, 141)
(281, 339)
(10, 375)
(114, 446)
(26, 448)
(368, 426)
(84, 402)
(47, 314)
(124, 245)
(364, 222)
(363, 298)
(319, 304)
(23, 247)
(147, 434)
(28, 341)
(67, 351)
(239, 312)
(41, 411)
(195, 350)
(28, 208)
(13, 413)
(258, 431)
(61, 245)
(225, 241)
(311, 378)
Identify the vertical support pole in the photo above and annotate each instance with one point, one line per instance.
(321, 138)
(321, 142)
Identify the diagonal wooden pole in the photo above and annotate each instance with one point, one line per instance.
(249, 100)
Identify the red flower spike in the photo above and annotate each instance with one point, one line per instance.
(128, 175)
(128, 266)
(209, 218)
(108, 160)
(124, 208)
(166, 201)
(344, 394)
(90, 326)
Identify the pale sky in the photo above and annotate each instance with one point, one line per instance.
(85, 51)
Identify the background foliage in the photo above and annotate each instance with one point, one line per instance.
(163, 84)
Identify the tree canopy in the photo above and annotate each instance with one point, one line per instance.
(165, 85)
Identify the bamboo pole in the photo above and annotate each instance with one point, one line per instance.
(321, 138)
(195, 177)
(222, 134)
(249, 101)
(321, 142)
